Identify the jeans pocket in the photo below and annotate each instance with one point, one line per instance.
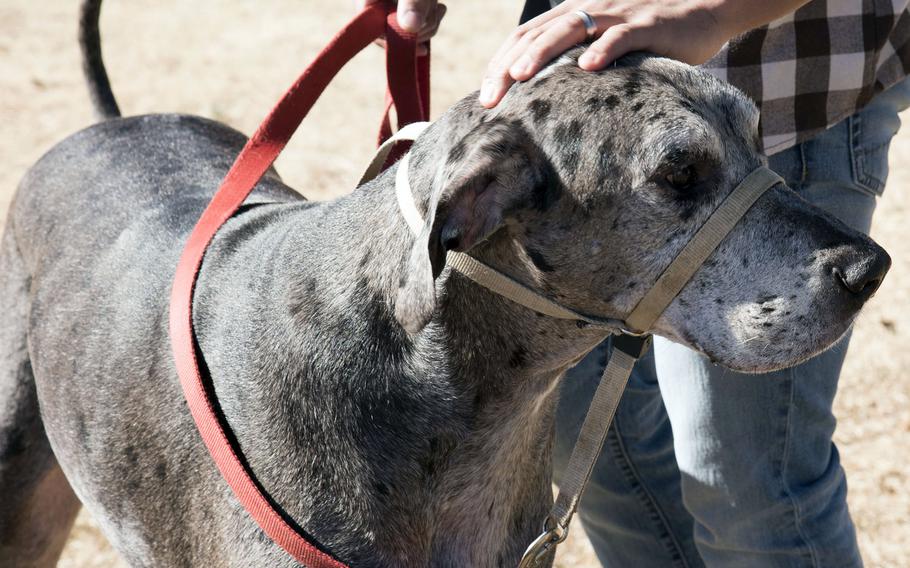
(869, 144)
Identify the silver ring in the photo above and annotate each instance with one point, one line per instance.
(590, 24)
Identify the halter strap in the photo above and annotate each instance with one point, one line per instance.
(628, 346)
(703, 243)
(487, 276)
(475, 270)
(668, 285)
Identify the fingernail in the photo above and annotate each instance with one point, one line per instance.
(486, 91)
(591, 61)
(410, 21)
(522, 66)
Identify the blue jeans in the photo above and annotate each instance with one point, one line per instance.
(705, 466)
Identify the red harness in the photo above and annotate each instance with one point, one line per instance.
(408, 91)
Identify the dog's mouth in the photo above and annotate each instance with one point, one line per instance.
(768, 335)
(783, 288)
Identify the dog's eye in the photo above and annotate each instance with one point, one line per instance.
(683, 178)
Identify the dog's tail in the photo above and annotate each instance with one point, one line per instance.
(99, 87)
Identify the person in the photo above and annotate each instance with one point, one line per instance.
(704, 466)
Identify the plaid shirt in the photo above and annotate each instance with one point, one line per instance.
(816, 66)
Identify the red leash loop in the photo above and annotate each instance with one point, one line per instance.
(408, 90)
(405, 70)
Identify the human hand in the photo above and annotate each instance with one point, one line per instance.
(416, 16)
(687, 30)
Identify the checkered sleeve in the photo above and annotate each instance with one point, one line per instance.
(818, 65)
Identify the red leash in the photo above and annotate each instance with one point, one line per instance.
(408, 90)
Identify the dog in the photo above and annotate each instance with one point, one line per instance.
(399, 413)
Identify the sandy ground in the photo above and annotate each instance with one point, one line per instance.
(231, 61)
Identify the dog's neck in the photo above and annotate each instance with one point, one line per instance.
(448, 430)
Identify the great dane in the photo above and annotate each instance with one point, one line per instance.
(427, 447)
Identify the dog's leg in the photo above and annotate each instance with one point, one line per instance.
(38, 504)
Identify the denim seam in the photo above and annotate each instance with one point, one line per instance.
(803, 166)
(670, 541)
(791, 375)
(864, 180)
(868, 181)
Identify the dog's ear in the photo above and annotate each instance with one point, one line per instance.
(493, 172)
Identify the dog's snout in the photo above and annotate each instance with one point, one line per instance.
(862, 273)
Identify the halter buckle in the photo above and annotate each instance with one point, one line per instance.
(543, 545)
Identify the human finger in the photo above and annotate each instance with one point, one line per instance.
(431, 27)
(413, 14)
(497, 80)
(559, 36)
(532, 25)
(615, 42)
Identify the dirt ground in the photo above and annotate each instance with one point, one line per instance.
(231, 61)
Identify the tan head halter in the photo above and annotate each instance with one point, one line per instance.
(633, 338)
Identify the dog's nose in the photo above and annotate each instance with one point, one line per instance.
(862, 273)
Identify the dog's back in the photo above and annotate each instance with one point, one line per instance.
(80, 186)
(87, 259)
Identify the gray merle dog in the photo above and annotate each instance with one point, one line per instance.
(428, 447)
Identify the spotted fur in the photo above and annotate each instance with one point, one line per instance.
(397, 412)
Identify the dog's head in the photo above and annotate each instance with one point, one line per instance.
(602, 178)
